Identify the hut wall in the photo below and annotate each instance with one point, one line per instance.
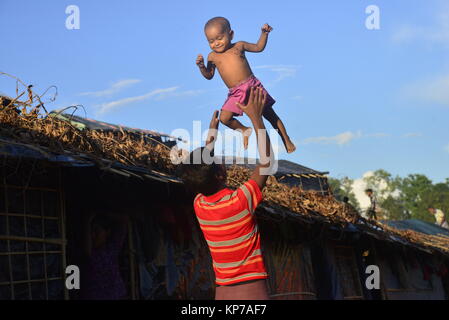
(89, 190)
(166, 256)
(409, 275)
(287, 259)
(337, 271)
(32, 235)
(173, 257)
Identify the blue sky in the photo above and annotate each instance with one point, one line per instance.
(352, 99)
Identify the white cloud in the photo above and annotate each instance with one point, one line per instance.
(359, 186)
(339, 139)
(187, 93)
(434, 90)
(434, 34)
(157, 94)
(114, 88)
(106, 107)
(344, 138)
(412, 135)
(378, 135)
(446, 148)
(282, 71)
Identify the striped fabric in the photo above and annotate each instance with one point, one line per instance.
(227, 221)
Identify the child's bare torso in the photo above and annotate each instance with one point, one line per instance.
(232, 65)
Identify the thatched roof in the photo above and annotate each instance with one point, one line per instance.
(134, 153)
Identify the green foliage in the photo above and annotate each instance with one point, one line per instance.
(343, 188)
(401, 197)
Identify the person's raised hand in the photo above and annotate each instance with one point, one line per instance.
(214, 122)
(200, 61)
(266, 28)
(213, 130)
(256, 103)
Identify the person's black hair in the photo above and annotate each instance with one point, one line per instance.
(199, 172)
(222, 22)
(369, 190)
(345, 199)
(430, 207)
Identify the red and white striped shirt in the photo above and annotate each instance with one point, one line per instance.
(228, 224)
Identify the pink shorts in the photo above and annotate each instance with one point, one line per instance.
(240, 93)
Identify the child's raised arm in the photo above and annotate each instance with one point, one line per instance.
(261, 43)
(207, 72)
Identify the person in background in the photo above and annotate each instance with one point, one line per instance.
(440, 219)
(100, 273)
(372, 210)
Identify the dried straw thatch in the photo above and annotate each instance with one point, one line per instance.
(23, 123)
(50, 134)
(297, 200)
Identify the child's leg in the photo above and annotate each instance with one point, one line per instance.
(278, 125)
(227, 118)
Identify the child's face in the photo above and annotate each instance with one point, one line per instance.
(219, 38)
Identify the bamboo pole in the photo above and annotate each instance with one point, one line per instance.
(31, 239)
(8, 242)
(27, 216)
(131, 262)
(29, 252)
(33, 280)
(62, 225)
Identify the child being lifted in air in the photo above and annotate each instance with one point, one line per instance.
(229, 58)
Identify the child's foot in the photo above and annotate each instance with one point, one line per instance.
(290, 146)
(246, 135)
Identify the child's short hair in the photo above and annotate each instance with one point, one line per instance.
(199, 171)
(223, 22)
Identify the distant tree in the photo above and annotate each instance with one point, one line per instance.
(381, 182)
(394, 208)
(399, 198)
(416, 193)
(343, 188)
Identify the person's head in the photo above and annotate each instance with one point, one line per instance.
(101, 229)
(431, 210)
(201, 173)
(219, 34)
(369, 192)
(345, 199)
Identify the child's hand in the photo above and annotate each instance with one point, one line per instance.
(266, 28)
(200, 61)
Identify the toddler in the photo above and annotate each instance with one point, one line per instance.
(230, 61)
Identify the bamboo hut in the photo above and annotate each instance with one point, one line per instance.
(56, 168)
